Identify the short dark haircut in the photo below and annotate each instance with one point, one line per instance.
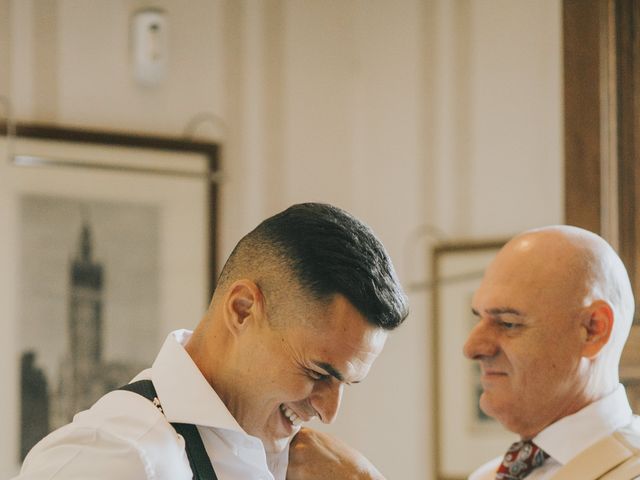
(328, 251)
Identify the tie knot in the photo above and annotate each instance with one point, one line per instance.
(521, 458)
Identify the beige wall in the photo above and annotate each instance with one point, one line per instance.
(412, 113)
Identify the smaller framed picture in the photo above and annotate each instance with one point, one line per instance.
(464, 437)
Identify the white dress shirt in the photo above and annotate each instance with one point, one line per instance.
(566, 438)
(123, 436)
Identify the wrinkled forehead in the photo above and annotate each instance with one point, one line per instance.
(351, 348)
(523, 275)
(515, 275)
(359, 357)
(355, 339)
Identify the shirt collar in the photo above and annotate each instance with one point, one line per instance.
(569, 436)
(184, 393)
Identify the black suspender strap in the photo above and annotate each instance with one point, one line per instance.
(198, 459)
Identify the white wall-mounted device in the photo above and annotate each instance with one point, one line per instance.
(150, 46)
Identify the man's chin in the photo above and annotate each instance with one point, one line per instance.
(487, 406)
(279, 445)
(503, 411)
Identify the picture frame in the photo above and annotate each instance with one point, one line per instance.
(107, 243)
(458, 423)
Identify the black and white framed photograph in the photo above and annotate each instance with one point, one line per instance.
(459, 425)
(107, 244)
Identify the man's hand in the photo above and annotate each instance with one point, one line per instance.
(317, 456)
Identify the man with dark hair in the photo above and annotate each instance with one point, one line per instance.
(302, 307)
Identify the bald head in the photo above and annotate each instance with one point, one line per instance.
(570, 268)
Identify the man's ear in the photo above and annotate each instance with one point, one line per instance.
(597, 326)
(243, 305)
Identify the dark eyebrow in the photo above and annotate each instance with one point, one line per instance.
(499, 311)
(327, 367)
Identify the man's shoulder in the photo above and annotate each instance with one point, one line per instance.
(625, 452)
(122, 433)
(120, 407)
(630, 434)
(133, 420)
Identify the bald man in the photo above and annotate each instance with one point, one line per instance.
(553, 312)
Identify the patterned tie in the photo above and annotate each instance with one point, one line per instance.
(521, 458)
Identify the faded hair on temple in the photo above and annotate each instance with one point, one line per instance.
(327, 251)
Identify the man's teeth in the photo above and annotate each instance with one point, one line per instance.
(293, 418)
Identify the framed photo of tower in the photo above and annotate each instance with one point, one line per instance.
(107, 243)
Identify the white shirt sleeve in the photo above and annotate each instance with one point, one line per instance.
(84, 454)
(101, 443)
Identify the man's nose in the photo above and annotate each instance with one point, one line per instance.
(480, 342)
(325, 399)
